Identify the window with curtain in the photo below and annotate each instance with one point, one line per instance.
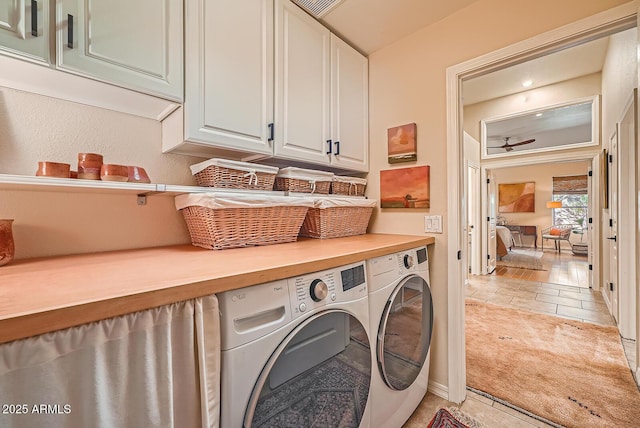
(572, 191)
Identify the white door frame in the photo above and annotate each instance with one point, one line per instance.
(612, 20)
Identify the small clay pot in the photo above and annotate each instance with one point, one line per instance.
(7, 246)
(89, 165)
(138, 175)
(53, 169)
(112, 172)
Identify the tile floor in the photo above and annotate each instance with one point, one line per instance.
(562, 290)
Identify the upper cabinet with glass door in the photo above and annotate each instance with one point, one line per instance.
(24, 29)
(136, 44)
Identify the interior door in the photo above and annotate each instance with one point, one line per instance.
(491, 222)
(473, 207)
(612, 285)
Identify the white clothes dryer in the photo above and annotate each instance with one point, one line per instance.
(401, 314)
(295, 352)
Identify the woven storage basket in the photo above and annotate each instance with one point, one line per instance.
(334, 218)
(231, 221)
(224, 173)
(352, 186)
(304, 180)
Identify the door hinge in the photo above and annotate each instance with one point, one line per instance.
(590, 173)
(590, 267)
(488, 180)
(488, 218)
(610, 158)
(611, 286)
(488, 257)
(459, 254)
(610, 222)
(590, 220)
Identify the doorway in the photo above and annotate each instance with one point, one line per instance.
(614, 20)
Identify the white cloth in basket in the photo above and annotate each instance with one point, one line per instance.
(236, 200)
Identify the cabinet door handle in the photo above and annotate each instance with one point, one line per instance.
(270, 132)
(337, 143)
(329, 145)
(34, 18)
(70, 31)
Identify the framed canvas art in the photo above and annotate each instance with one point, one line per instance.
(401, 143)
(517, 198)
(405, 188)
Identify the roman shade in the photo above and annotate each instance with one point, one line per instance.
(572, 184)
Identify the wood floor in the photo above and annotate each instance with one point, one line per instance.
(563, 268)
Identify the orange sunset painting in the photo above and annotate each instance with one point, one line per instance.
(401, 142)
(405, 188)
(516, 198)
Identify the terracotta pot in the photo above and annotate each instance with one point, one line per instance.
(138, 175)
(89, 165)
(111, 172)
(7, 246)
(53, 169)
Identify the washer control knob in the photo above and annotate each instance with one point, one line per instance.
(318, 290)
(408, 261)
(302, 307)
(333, 297)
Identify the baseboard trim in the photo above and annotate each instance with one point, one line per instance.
(438, 389)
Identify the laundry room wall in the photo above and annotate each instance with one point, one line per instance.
(407, 85)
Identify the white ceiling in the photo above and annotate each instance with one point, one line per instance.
(369, 25)
(567, 64)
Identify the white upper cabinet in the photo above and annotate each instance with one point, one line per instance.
(24, 29)
(303, 92)
(350, 107)
(133, 43)
(229, 74)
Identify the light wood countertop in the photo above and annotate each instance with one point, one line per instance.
(43, 295)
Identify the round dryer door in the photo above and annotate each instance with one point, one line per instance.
(318, 376)
(405, 332)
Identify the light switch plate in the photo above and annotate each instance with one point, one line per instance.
(433, 224)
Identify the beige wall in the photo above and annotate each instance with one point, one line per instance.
(35, 128)
(542, 175)
(407, 84)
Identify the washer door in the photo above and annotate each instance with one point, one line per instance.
(318, 376)
(405, 332)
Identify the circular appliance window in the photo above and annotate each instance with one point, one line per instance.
(405, 332)
(318, 376)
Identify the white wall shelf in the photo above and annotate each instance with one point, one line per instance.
(71, 185)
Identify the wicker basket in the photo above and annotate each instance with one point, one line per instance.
(223, 173)
(303, 181)
(352, 186)
(219, 222)
(337, 218)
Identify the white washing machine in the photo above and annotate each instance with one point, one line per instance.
(401, 314)
(296, 352)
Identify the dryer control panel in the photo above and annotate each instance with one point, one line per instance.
(314, 290)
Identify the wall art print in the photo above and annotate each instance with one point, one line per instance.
(401, 143)
(405, 188)
(517, 198)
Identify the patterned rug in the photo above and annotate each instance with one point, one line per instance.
(332, 394)
(453, 417)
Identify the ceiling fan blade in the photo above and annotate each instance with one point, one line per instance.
(508, 148)
(521, 143)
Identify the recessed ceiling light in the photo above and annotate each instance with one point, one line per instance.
(527, 83)
(538, 114)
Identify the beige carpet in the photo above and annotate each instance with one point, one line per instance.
(569, 372)
(525, 259)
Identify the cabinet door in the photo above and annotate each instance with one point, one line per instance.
(132, 43)
(24, 28)
(349, 107)
(302, 85)
(229, 80)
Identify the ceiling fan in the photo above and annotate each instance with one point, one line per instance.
(509, 147)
